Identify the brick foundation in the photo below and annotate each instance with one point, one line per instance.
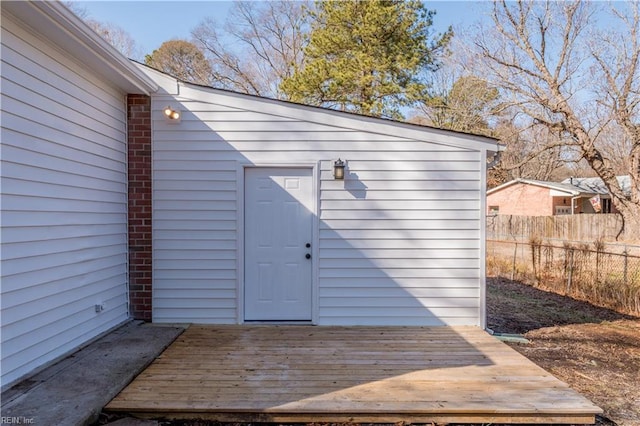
(139, 171)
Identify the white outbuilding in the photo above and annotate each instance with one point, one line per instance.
(251, 221)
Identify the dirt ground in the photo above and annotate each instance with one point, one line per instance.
(595, 350)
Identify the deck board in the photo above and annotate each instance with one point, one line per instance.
(359, 374)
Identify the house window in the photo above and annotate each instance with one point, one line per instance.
(494, 209)
(606, 205)
(560, 210)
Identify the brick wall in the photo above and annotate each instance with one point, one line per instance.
(565, 204)
(522, 199)
(139, 169)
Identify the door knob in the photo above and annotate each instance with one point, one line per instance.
(307, 245)
(308, 256)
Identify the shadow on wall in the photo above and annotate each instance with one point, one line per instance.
(384, 269)
(354, 185)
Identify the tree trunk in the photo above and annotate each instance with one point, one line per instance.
(630, 222)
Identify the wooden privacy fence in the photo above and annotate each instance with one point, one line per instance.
(580, 227)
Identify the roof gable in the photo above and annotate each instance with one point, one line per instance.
(573, 186)
(561, 187)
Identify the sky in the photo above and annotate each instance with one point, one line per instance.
(151, 23)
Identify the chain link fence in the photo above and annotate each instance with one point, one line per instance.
(608, 277)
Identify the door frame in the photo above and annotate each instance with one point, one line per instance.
(315, 226)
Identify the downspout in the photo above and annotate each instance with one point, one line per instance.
(575, 197)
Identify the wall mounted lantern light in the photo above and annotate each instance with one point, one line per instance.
(172, 114)
(338, 169)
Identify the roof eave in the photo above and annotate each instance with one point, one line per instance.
(58, 24)
(548, 185)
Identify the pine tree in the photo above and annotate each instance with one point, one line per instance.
(367, 57)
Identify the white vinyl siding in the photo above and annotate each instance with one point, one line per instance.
(401, 244)
(64, 203)
(399, 238)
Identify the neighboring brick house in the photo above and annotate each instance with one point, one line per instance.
(527, 197)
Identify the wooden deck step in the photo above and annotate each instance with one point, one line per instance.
(349, 374)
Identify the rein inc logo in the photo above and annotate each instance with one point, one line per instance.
(17, 420)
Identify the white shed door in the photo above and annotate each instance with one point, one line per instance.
(278, 231)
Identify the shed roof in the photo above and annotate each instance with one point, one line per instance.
(174, 86)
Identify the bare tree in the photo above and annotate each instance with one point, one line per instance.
(562, 73)
(458, 97)
(525, 155)
(181, 59)
(115, 35)
(79, 11)
(262, 44)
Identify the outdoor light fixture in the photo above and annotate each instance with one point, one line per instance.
(497, 156)
(338, 169)
(171, 115)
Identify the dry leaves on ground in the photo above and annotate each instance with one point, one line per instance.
(595, 350)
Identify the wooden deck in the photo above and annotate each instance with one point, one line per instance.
(348, 374)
